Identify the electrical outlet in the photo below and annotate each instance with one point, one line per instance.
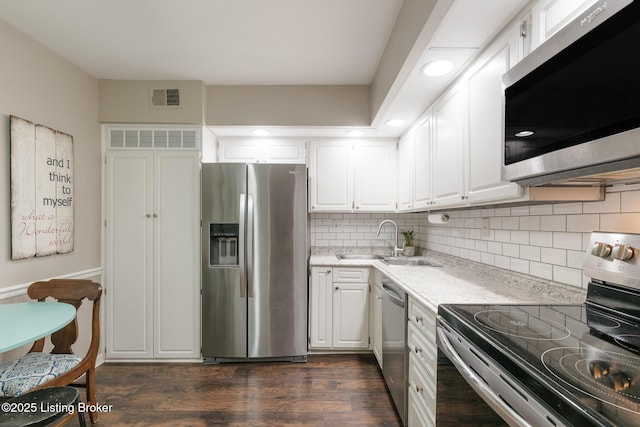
(337, 225)
(485, 233)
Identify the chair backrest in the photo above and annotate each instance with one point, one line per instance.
(70, 291)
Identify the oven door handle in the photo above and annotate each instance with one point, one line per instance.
(492, 399)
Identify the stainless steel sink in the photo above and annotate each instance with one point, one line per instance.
(410, 261)
(359, 256)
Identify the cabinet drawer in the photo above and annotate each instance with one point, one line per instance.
(424, 319)
(424, 387)
(424, 350)
(350, 275)
(418, 414)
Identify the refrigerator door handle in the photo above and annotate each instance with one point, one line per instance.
(241, 253)
(249, 243)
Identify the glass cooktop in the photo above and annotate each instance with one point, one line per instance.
(582, 362)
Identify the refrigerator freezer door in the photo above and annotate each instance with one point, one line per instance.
(224, 303)
(277, 273)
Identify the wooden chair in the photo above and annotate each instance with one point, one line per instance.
(61, 366)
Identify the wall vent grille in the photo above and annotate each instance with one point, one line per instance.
(165, 98)
(173, 139)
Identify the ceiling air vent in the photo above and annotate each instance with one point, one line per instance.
(165, 97)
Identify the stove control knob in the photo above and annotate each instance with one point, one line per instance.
(601, 250)
(623, 252)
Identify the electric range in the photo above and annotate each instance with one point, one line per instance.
(558, 365)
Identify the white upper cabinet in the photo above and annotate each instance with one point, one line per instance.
(414, 166)
(330, 176)
(423, 142)
(448, 148)
(375, 176)
(348, 176)
(261, 150)
(485, 126)
(550, 16)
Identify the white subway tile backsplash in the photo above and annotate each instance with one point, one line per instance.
(531, 253)
(511, 250)
(520, 211)
(621, 222)
(610, 204)
(583, 223)
(567, 208)
(630, 201)
(570, 276)
(575, 259)
(543, 240)
(553, 223)
(494, 247)
(502, 262)
(511, 223)
(502, 211)
(538, 269)
(553, 256)
(567, 240)
(503, 236)
(541, 209)
(520, 237)
(520, 265)
(530, 223)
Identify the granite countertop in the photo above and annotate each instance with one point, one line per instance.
(460, 281)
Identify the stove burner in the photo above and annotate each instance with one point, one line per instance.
(612, 378)
(600, 322)
(628, 341)
(521, 324)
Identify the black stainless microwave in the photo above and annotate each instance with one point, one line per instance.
(572, 106)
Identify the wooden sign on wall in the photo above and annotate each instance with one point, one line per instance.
(41, 190)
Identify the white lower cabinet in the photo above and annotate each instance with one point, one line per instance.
(339, 308)
(423, 361)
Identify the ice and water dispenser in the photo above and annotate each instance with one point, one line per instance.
(223, 244)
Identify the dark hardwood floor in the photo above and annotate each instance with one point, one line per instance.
(328, 390)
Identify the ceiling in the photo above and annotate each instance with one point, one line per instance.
(262, 42)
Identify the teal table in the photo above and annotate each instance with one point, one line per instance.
(24, 322)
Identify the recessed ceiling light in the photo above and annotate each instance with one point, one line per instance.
(355, 133)
(394, 122)
(260, 132)
(437, 68)
(524, 133)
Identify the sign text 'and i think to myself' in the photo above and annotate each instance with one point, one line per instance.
(41, 190)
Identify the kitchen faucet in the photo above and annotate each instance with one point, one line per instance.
(396, 249)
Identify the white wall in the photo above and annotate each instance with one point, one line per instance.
(39, 86)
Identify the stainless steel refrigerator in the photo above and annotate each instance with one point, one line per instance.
(254, 249)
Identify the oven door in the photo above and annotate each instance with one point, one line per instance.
(495, 386)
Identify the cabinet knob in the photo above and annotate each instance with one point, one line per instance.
(418, 350)
(337, 288)
(419, 389)
(148, 215)
(155, 215)
(419, 319)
